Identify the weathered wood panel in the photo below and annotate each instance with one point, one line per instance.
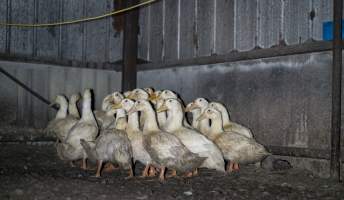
(205, 27)
(48, 38)
(22, 39)
(270, 22)
(224, 26)
(3, 29)
(72, 39)
(188, 37)
(323, 11)
(96, 31)
(246, 24)
(171, 23)
(297, 24)
(144, 33)
(115, 36)
(156, 32)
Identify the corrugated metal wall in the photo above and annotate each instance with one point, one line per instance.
(19, 107)
(177, 29)
(96, 41)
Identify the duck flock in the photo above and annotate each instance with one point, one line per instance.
(150, 127)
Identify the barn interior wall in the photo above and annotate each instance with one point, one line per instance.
(19, 107)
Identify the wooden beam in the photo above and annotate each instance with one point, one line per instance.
(336, 89)
(308, 47)
(131, 29)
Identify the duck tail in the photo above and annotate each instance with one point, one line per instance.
(88, 149)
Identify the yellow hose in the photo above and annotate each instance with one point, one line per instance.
(79, 20)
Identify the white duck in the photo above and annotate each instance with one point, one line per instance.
(86, 128)
(112, 145)
(62, 122)
(105, 117)
(192, 139)
(196, 112)
(229, 125)
(162, 116)
(135, 136)
(235, 147)
(72, 106)
(165, 149)
(204, 124)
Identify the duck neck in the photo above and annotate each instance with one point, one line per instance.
(133, 122)
(150, 120)
(175, 119)
(225, 117)
(195, 115)
(73, 109)
(87, 114)
(62, 112)
(216, 125)
(121, 123)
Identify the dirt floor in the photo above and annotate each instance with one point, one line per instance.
(34, 172)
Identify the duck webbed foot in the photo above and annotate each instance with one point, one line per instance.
(109, 167)
(236, 167)
(173, 174)
(229, 167)
(162, 174)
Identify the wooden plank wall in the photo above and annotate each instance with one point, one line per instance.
(193, 28)
(23, 109)
(93, 42)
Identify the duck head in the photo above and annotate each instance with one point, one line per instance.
(140, 105)
(209, 113)
(138, 93)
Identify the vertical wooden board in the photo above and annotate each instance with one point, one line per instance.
(72, 35)
(8, 100)
(48, 38)
(96, 31)
(40, 79)
(22, 39)
(144, 31)
(188, 41)
(24, 117)
(246, 24)
(171, 29)
(205, 27)
(270, 21)
(156, 31)
(115, 37)
(72, 81)
(224, 26)
(323, 11)
(296, 21)
(101, 88)
(3, 17)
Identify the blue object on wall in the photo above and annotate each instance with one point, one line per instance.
(328, 30)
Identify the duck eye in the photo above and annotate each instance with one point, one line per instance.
(200, 100)
(170, 101)
(126, 101)
(208, 111)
